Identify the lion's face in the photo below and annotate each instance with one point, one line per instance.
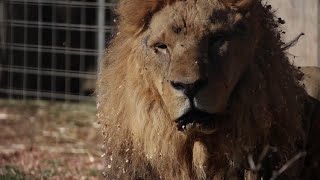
(196, 52)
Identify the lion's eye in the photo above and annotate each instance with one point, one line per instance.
(218, 39)
(161, 46)
(241, 29)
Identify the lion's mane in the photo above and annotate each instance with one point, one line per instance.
(266, 108)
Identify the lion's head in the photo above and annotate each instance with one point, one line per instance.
(194, 54)
(190, 88)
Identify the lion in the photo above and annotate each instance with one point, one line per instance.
(189, 89)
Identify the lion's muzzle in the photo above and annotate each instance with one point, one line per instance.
(189, 89)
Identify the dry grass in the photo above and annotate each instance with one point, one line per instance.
(41, 140)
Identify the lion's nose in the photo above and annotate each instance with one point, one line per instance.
(189, 89)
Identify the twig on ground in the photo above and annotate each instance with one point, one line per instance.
(287, 165)
(257, 167)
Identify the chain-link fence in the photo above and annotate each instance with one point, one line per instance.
(50, 49)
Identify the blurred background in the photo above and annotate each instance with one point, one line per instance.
(50, 51)
(301, 17)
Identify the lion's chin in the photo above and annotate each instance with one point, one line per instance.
(197, 121)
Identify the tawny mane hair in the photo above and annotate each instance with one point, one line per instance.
(266, 107)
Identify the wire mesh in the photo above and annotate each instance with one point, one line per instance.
(51, 49)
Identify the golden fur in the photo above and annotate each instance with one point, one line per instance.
(136, 107)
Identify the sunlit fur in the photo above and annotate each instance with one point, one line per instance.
(142, 141)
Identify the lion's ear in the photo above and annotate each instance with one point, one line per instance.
(239, 5)
(135, 14)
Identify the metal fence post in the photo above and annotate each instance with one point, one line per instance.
(2, 27)
(318, 33)
(101, 31)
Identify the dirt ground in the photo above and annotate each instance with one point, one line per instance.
(42, 140)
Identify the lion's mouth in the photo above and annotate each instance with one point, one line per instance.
(196, 119)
